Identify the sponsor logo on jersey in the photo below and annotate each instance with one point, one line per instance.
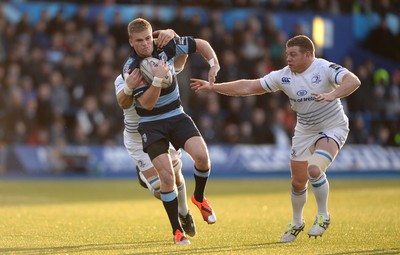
(336, 67)
(180, 40)
(285, 80)
(316, 79)
(302, 93)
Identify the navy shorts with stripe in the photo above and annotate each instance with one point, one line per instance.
(176, 130)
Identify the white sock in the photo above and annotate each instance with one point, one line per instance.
(299, 199)
(320, 188)
(182, 200)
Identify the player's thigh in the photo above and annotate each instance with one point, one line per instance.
(182, 128)
(298, 170)
(135, 151)
(332, 140)
(197, 149)
(329, 145)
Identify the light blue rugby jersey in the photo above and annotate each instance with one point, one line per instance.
(168, 104)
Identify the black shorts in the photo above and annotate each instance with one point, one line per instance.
(176, 130)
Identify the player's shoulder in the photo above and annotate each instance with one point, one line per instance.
(328, 65)
(285, 71)
(130, 63)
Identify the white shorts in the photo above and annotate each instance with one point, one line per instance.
(133, 144)
(303, 141)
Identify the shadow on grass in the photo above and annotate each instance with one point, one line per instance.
(162, 247)
(141, 248)
(91, 248)
(220, 249)
(385, 251)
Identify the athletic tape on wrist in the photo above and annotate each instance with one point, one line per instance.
(127, 90)
(157, 82)
(211, 62)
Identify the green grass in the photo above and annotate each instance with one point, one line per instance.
(120, 217)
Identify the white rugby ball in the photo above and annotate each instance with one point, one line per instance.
(147, 72)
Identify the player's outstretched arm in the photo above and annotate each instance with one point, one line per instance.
(233, 88)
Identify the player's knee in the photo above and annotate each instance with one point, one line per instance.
(298, 184)
(202, 161)
(168, 179)
(318, 163)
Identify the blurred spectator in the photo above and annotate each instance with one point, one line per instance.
(380, 39)
(358, 132)
(118, 30)
(262, 132)
(56, 74)
(89, 118)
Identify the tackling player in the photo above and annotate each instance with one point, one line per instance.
(314, 87)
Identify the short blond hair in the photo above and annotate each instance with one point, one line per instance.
(138, 25)
(305, 44)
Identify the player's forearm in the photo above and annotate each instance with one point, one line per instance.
(349, 84)
(239, 88)
(149, 98)
(205, 49)
(179, 62)
(124, 101)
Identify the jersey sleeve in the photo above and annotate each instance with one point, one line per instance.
(180, 46)
(271, 81)
(137, 92)
(336, 73)
(119, 84)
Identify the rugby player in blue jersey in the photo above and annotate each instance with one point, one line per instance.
(162, 119)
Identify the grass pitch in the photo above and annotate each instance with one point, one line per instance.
(120, 217)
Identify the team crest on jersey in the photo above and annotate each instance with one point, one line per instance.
(316, 79)
(127, 65)
(285, 80)
(163, 56)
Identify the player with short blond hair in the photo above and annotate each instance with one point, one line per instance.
(162, 120)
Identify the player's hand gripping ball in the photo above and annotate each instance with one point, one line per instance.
(147, 72)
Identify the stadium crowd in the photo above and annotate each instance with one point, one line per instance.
(56, 81)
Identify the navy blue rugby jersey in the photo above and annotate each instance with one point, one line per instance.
(168, 104)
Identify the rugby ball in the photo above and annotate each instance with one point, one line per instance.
(147, 72)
